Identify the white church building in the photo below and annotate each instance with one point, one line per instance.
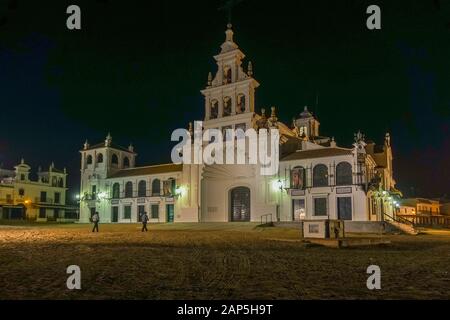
(317, 179)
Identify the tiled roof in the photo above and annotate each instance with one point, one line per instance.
(317, 153)
(142, 171)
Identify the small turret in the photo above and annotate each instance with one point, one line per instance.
(108, 140)
(387, 139)
(333, 143)
(273, 120)
(210, 79)
(250, 69)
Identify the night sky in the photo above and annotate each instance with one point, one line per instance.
(136, 68)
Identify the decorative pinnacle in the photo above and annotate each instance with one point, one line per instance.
(250, 69)
(209, 78)
(274, 114)
(229, 33)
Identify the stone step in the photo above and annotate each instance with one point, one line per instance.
(408, 229)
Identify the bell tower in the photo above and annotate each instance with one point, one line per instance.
(230, 93)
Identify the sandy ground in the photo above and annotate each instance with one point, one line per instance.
(213, 261)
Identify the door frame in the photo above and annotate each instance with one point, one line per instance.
(112, 214)
(351, 207)
(230, 204)
(168, 220)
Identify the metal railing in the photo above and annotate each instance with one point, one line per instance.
(437, 220)
(399, 219)
(43, 200)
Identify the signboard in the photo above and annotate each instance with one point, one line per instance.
(297, 192)
(344, 190)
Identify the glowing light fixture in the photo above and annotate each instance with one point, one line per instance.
(180, 191)
(101, 195)
(277, 185)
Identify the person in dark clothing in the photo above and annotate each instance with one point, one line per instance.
(144, 219)
(95, 220)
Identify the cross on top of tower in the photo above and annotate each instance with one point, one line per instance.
(228, 6)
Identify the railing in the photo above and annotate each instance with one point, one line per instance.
(42, 200)
(122, 195)
(266, 218)
(399, 219)
(437, 220)
(7, 200)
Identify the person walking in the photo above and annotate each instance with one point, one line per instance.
(95, 220)
(144, 219)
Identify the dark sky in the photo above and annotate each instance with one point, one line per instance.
(136, 68)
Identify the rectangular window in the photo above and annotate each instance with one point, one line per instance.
(42, 213)
(127, 212)
(298, 207)
(43, 196)
(92, 211)
(115, 214)
(56, 214)
(320, 206)
(344, 208)
(94, 193)
(57, 197)
(155, 211)
(224, 132)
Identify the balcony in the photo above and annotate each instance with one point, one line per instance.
(7, 200)
(44, 200)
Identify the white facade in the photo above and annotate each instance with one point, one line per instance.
(347, 183)
(43, 199)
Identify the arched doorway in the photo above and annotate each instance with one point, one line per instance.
(240, 204)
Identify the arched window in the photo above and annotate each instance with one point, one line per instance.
(156, 187)
(116, 191)
(344, 174)
(240, 106)
(142, 188)
(126, 162)
(298, 178)
(320, 176)
(61, 183)
(100, 158)
(227, 75)
(54, 182)
(89, 159)
(129, 190)
(114, 159)
(226, 106)
(169, 187)
(214, 112)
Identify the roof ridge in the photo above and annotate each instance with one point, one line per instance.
(150, 166)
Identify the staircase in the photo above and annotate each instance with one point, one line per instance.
(401, 224)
